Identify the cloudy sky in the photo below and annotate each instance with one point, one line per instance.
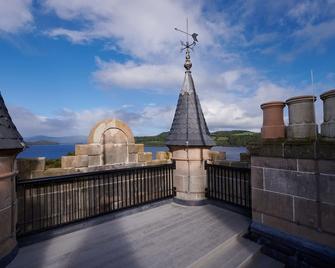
(66, 64)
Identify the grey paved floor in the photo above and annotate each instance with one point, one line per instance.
(167, 236)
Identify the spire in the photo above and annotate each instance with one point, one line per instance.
(189, 126)
(10, 138)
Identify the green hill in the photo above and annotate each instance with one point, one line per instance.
(222, 138)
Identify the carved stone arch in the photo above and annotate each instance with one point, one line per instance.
(114, 136)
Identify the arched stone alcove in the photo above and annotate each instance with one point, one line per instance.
(114, 136)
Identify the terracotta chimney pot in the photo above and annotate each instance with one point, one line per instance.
(273, 120)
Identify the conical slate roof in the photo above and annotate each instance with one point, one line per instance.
(10, 138)
(189, 126)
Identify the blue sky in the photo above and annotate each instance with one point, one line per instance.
(64, 65)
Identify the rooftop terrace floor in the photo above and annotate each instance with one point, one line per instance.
(169, 235)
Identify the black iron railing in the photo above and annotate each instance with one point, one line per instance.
(50, 202)
(229, 184)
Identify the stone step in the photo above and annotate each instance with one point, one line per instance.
(230, 254)
(261, 260)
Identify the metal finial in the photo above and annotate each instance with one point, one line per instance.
(187, 46)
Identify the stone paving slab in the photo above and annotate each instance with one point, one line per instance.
(170, 235)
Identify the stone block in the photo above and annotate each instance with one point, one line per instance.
(6, 164)
(303, 149)
(299, 230)
(327, 189)
(326, 149)
(133, 158)
(81, 149)
(94, 149)
(139, 148)
(307, 165)
(327, 166)
(197, 184)
(274, 162)
(67, 161)
(116, 154)
(95, 160)
(257, 177)
(290, 182)
(274, 204)
(180, 182)
(163, 155)
(194, 168)
(6, 189)
(132, 149)
(145, 157)
(80, 161)
(213, 155)
(191, 153)
(270, 149)
(5, 223)
(30, 164)
(305, 212)
(328, 218)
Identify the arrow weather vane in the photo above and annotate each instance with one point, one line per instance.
(188, 46)
(194, 36)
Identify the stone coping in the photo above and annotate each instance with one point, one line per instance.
(272, 104)
(297, 99)
(302, 148)
(327, 94)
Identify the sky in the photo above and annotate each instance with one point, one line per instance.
(65, 65)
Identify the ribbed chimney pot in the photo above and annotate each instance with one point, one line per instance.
(273, 120)
(301, 118)
(328, 125)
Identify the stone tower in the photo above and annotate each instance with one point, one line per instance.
(189, 141)
(11, 143)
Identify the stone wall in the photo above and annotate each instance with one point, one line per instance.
(7, 205)
(295, 192)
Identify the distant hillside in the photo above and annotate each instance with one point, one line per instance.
(42, 142)
(57, 140)
(221, 138)
(158, 140)
(235, 137)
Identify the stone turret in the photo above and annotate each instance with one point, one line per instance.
(189, 141)
(11, 143)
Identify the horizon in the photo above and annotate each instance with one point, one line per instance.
(66, 66)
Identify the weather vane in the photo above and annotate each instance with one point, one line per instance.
(194, 36)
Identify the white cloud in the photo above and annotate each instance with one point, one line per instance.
(148, 121)
(138, 76)
(142, 28)
(15, 15)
